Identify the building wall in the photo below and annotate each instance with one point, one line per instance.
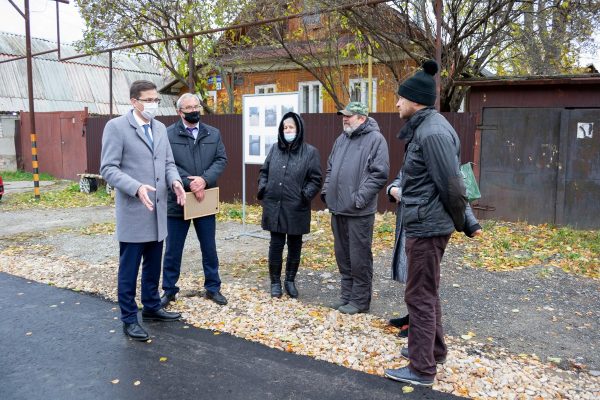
(288, 80)
(8, 154)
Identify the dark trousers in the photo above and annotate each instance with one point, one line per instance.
(205, 231)
(277, 243)
(352, 238)
(130, 256)
(426, 335)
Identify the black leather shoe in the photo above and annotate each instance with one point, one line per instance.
(136, 332)
(165, 299)
(399, 322)
(160, 315)
(217, 297)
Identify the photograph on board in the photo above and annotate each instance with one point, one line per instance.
(254, 116)
(271, 116)
(254, 144)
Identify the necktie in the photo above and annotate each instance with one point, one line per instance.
(191, 132)
(147, 133)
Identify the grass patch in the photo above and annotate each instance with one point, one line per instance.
(514, 245)
(11, 176)
(233, 212)
(66, 198)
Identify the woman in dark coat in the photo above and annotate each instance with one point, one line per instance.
(289, 179)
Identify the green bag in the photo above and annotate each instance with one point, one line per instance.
(470, 182)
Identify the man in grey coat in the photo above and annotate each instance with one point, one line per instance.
(200, 157)
(433, 206)
(357, 169)
(137, 161)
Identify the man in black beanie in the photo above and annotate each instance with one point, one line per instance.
(433, 206)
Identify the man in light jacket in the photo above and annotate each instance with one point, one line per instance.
(137, 161)
(433, 206)
(357, 169)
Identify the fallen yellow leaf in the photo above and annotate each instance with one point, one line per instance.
(407, 389)
(163, 359)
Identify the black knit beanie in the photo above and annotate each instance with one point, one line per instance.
(420, 88)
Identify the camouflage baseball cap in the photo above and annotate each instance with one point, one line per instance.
(353, 108)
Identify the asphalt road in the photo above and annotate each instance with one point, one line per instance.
(59, 344)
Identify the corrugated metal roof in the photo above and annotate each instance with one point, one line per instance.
(71, 85)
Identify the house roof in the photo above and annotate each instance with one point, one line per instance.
(583, 79)
(70, 85)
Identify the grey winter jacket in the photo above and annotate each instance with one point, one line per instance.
(433, 190)
(289, 179)
(203, 157)
(357, 169)
(129, 161)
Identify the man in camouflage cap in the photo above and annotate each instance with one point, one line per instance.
(355, 108)
(357, 169)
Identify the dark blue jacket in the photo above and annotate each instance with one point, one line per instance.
(205, 157)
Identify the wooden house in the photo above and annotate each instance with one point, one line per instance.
(309, 54)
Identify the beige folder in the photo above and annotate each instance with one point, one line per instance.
(208, 206)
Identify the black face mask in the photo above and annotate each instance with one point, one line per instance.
(192, 117)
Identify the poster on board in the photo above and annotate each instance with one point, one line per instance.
(261, 114)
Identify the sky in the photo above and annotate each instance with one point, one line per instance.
(43, 20)
(43, 23)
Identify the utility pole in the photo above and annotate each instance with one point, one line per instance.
(33, 136)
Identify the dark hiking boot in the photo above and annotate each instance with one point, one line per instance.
(291, 269)
(275, 275)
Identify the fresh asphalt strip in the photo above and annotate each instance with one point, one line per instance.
(60, 344)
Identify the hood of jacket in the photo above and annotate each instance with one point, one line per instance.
(297, 142)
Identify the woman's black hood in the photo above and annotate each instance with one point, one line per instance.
(297, 142)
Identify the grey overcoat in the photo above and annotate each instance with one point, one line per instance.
(128, 161)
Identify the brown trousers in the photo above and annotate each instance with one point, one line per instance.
(426, 335)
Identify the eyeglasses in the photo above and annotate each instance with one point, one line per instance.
(147, 101)
(190, 108)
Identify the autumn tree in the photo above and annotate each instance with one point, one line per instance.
(549, 37)
(321, 44)
(473, 33)
(506, 36)
(112, 23)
